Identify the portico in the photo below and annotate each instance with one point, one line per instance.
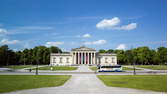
(84, 57)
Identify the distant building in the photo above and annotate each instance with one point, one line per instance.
(83, 55)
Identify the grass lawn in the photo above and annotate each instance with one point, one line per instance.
(58, 68)
(146, 82)
(93, 68)
(19, 82)
(18, 66)
(126, 68)
(123, 68)
(154, 67)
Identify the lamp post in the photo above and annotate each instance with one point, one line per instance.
(37, 61)
(133, 61)
(134, 71)
(36, 73)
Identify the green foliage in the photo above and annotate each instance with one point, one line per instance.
(93, 68)
(126, 68)
(146, 82)
(122, 58)
(7, 56)
(39, 54)
(102, 51)
(162, 53)
(140, 56)
(110, 51)
(19, 82)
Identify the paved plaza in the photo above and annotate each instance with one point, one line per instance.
(84, 84)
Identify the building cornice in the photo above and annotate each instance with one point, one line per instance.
(61, 54)
(83, 48)
(107, 54)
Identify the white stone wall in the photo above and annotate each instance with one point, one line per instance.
(107, 59)
(102, 59)
(61, 59)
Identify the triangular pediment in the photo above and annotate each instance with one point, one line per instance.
(83, 48)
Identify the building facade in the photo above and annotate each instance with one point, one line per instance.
(83, 55)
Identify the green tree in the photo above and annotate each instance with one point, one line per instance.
(155, 58)
(102, 51)
(54, 49)
(121, 56)
(110, 51)
(4, 55)
(162, 52)
(143, 55)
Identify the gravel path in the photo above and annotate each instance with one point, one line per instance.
(84, 84)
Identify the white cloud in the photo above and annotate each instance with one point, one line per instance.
(129, 26)
(121, 47)
(3, 30)
(113, 24)
(6, 41)
(86, 36)
(98, 42)
(108, 23)
(48, 44)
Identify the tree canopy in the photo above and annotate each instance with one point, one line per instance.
(41, 54)
(141, 55)
(37, 54)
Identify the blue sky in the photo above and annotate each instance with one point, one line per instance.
(100, 24)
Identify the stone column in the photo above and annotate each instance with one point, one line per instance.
(81, 58)
(94, 58)
(75, 60)
(78, 57)
(84, 58)
(91, 58)
(75, 56)
(72, 58)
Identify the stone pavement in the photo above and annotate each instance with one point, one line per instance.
(4, 69)
(84, 84)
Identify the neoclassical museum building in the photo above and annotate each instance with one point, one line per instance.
(83, 56)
